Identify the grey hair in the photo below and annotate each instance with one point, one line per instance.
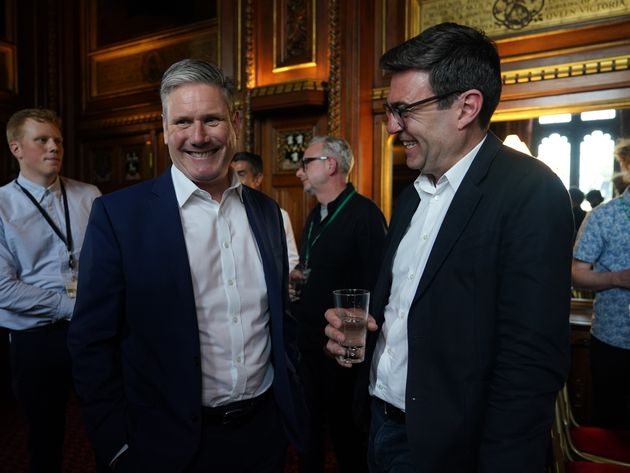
(337, 148)
(189, 71)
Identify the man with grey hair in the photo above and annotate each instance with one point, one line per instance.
(341, 247)
(179, 340)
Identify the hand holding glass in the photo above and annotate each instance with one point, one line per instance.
(354, 304)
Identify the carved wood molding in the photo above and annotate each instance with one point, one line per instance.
(562, 71)
(334, 78)
(250, 74)
(104, 123)
(287, 87)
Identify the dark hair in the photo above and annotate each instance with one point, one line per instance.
(189, 71)
(458, 58)
(594, 197)
(577, 196)
(41, 115)
(253, 159)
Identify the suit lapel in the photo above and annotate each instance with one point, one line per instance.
(459, 212)
(168, 225)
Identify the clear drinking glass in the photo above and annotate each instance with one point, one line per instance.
(355, 304)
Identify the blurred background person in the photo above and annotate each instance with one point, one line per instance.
(42, 223)
(577, 197)
(594, 197)
(249, 169)
(342, 243)
(602, 264)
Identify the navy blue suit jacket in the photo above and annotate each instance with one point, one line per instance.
(134, 337)
(488, 328)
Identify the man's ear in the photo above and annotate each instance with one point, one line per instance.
(16, 149)
(332, 165)
(470, 104)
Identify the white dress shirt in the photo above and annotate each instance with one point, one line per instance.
(388, 375)
(294, 257)
(230, 292)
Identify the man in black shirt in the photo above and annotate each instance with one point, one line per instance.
(342, 243)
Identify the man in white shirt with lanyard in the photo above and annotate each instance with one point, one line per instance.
(42, 222)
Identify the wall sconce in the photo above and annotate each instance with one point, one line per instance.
(514, 142)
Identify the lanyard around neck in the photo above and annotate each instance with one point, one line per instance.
(310, 243)
(66, 239)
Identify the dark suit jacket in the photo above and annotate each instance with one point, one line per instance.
(134, 336)
(488, 329)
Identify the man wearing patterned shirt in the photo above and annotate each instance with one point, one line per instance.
(602, 264)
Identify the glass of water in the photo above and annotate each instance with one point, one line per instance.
(354, 314)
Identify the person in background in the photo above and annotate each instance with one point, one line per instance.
(601, 263)
(577, 197)
(181, 347)
(621, 180)
(470, 341)
(341, 246)
(594, 197)
(249, 169)
(42, 222)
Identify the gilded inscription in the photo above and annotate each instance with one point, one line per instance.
(505, 17)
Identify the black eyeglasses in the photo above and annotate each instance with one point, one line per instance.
(400, 112)
(305, 160)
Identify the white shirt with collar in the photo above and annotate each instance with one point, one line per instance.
(230, 292)
(388, 375)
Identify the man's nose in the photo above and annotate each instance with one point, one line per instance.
(198, 132)
(392, 125)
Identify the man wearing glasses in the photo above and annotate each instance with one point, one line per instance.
(341, 247)
(469, 342)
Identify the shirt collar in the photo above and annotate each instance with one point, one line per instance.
(185, 188)
(36, 190)
(454, 176)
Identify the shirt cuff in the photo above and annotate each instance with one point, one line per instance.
(66, 307)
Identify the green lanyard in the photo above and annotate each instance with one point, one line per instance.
(624, 204)
(310, 244)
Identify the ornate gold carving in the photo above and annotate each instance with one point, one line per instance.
(550, 72)
(562, 71)
(286, 87)
(334, 78)
(507, 17)
(250, 73)
(140, 65)
(294, 34)
(290, 146)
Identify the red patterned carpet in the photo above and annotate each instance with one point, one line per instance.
(78, 457)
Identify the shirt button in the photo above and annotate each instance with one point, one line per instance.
(238, 359)
(425, 237)
(380, 386)
(234, 320)
(437, 197)
(230, 282)
(226, 244)
(411, 275)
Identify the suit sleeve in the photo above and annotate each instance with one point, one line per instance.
(95, 335)
(532, 325)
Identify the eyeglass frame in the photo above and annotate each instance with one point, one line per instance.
(397, 111)
(308, 159)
